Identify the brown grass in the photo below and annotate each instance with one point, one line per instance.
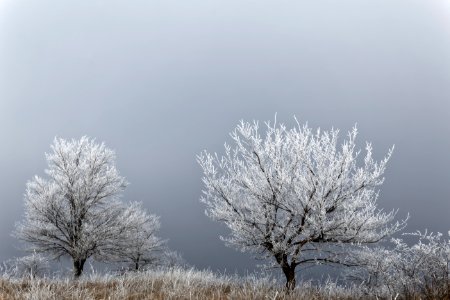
(169, 284)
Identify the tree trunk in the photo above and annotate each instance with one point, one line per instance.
(78, 265)
(289, 272)
(288, 269)
(137, 262)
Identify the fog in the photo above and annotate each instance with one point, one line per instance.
(159, 81)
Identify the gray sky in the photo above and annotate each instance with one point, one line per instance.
(158, 81)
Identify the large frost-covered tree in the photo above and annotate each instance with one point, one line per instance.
(294, 195)
(76, 210)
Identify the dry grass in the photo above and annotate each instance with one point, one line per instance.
(165, 284)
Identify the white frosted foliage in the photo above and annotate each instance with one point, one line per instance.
(422, 268)
(289, 194)
(74, 211)
(140, 247)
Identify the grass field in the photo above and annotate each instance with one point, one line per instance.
(167, 284)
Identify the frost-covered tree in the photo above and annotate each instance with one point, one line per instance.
(294, 195)
(173, 259)
(75, 211)
(141, 248)
(31, 266)
(416, 271)
(374, 270)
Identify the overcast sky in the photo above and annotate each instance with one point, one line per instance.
(158, 81)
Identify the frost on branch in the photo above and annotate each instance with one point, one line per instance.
(140, 247)
(422, 269)
(30, 266)
(173, 259)
(293, 195)
(74, 211)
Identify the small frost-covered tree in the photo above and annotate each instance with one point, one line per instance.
(173, 259)
(75, 211)
(140, 247)
(294, 195)
(416, 271)
(374, 270)
(31, 266)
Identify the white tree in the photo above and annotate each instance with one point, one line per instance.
(140, 247)
(75, 211)
(418, 271)
(375, 270)
(31, 266)
(172, 259)
(293, 194)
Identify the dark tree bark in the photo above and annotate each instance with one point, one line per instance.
(78, 265)
(288, 269)
(289, 272)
